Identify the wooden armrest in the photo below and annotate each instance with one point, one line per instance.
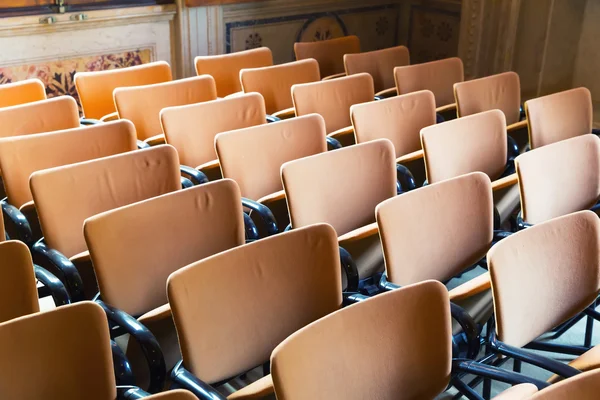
(471, 288)
(516, 126)
(209, 165)
(27, 206)
(335, 76)
(236, 94)
(285, 114)
(415, 155)
(270, 198)
(342, 132)
(388, 92)
(110, 117)
(158, 314)
(446, 108)
(507, 181)
(81, 257)
(359, 234)
(156, 140)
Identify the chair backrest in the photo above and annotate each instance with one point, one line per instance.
(573, 165)
(544, 275)
(225, 68)
(132, 267)
(66, 196)
(463, 145)
(253, 156)
(379, 63)
(559, 116)
(341, 187)
(177, 394)
(18, 291)
(425, 233)
(63, 354)
(41, 116)
(328, 53)
(501, 91)
(20, 156)
(399, 119)
(584, 386)
(96, 88)
(142, 104)
(271, 287)
(341, 356)
(438, 76)
(22, 92)
(333, 98)
(275, 82)
(192, 129)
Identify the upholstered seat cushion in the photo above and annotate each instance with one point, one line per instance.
(260, 389)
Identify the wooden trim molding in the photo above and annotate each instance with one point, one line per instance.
(202, 3)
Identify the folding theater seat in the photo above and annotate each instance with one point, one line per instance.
(17, 93)
(380, 65)
(225, 68)
(332, 100)
(558, 179)
(275, 84)
(62, 354)
(232, 309)
(65, 196)
(475, 143)
(399, 119)
(95, 89)
(18, 291)
(584, 386)
(542, 277)
(142, 104)
(154, 238)
(253, 157)
(342, 188)
(329, 54)
(177, 394)
(393, 346)
(437, 76)
(559, 116)
(20, 156)
(191, 129)
(438, 232)
(502, 92)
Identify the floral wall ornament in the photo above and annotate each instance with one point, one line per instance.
(253, 41)
(322, 35)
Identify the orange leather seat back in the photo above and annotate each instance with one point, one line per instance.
(142, 104)
(349, 182)
(271, 287)
(328, 53)
(22, 92)
(573, 165)
(18, 291)
(132, 267)
(424, 237)
(275, 83)
(463, 145)
(95, 89)
(20, 156)
(192, 129)
(501, 91)
(225, 68)
(66, 196)
(559, 116)
(399, 119)
(437, 76)
(544, 275)
(79, 358)
(253, 156)
(340, 356)
(49, 115)
(333, 98)
(379, 63)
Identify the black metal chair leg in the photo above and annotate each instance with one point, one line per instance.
(517, 366)
(487, 388)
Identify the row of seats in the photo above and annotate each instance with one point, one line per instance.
(134, 215)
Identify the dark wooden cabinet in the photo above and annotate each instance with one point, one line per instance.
(28, 7)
